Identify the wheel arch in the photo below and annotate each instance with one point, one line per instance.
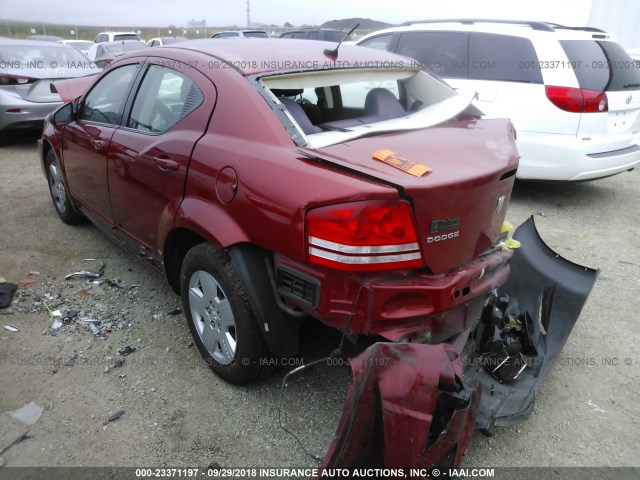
(280, 330)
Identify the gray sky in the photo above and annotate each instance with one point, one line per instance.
(233, 12)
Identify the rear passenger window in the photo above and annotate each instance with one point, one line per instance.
(443, 52)
(164, 98)
(503, 58)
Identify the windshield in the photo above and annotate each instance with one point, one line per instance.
(332, 106)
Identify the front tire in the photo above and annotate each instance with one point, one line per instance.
(220, 316)
(59, 195)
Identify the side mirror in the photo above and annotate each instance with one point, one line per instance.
(63, 115)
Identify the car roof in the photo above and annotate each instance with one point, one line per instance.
(39, 43)
(44, 38)
(516, 28)
(243, 31)
(259, 56)
(120, 42)
(113, 32)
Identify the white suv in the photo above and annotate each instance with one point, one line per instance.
(573, 94)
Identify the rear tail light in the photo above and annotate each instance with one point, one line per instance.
(363, 236)
(577, 100)
(16, 80)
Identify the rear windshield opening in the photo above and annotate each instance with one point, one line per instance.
(321, 102)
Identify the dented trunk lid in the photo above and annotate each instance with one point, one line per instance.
(459, 206)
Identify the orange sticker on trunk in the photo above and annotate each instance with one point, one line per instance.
(392, 158)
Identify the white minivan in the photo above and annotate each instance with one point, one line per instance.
(573, 94)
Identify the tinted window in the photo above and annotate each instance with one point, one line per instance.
(126, 36)
(601, 65)
(164, 97)
(443, 52)
(381, 42)
(313, 35)
(332, 36)
(256, 34)
(298, 34)
(105, 101)
(503, 58)
(286, 35)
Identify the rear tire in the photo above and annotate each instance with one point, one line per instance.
(220, 315)
(59, 195)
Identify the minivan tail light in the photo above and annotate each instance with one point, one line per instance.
(578, 100)
(363, 236)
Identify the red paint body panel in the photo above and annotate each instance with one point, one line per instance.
(392, 404)
(467, 158)
(86, 147)
(399, 304)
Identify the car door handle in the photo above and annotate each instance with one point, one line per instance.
(97, 145)
(166, 163)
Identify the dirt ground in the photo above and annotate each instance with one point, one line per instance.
(177, 413)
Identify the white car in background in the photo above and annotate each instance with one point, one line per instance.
(116, 36)
(82, 45)
(573, 94)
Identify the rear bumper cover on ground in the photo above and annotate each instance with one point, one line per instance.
(415, 405)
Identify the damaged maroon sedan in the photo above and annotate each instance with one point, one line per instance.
(355, 188)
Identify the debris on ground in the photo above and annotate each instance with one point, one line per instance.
(24, 436)
(113, 417)
(86, 273)
(7, 291)
(29, 414)
(27, 281)
(117, 283)
(126, 351)
(11, 328)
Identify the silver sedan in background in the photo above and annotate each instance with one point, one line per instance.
(27, 68)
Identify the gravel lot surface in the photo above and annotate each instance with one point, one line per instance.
(177, 413)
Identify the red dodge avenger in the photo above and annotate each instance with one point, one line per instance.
(273, 183)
